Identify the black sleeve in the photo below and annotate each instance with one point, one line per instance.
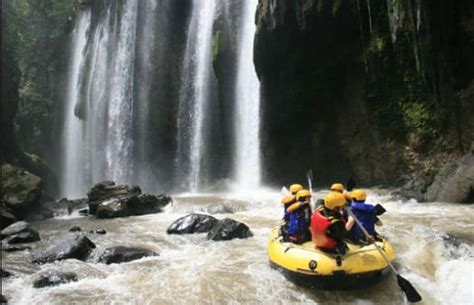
(337, 231)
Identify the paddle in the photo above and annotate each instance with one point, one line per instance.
(410, 291)
(309, 175)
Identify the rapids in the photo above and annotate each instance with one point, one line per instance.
(192, 270)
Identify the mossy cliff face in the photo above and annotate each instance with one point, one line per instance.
(345, 86)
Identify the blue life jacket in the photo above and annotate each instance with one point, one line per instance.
(298, 222)
(365, 213)
(286, 216)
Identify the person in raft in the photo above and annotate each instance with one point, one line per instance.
(366, 214)
(287, 201)
(327, 224)
(339, 188)
(300, 212)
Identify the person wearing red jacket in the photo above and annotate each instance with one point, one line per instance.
(327, 225)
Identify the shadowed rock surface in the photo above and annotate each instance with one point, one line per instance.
(192, 223)
(63, 247)
(227, 229)
(53, 278)
(121, 254)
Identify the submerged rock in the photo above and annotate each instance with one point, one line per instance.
(84, 212)
(4, 273)
(19, 232)
(121, 254)
(227, 229)
(64, 247)
(100, 231)
(192, 223)
(455, 183)
(53, 278)
(75, 229)
(13, 248)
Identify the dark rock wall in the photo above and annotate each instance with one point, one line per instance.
(343, 97)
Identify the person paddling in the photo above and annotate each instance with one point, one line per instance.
(299, 218)
(287, 201)
(327, 225)
(366, 214)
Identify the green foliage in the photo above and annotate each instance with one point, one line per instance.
(420, 119)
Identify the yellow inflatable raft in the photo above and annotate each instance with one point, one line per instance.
(306, 266)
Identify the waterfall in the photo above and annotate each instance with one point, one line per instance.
(194, 96)
(72, 141)
(98, 131)
(247, 99)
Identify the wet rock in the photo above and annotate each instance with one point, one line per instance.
(3, 299)
(4, 273)
(53, 278)
(6, 217)
(112, 208)
(84, 212)
(100, 231)
(66, 246)
(454, 183)
(192, 223)
(21, 190)
(130, 206)
(121, 254)
(13, 248)
(75, 229)
(105, 190)
(19, 232)
(227, 229)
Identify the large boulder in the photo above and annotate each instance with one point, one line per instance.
(19, 232)
(3, 299)
(131, 206)
(105, 190)
(121, 254)
(21, 190)
(66, 246)
(192, 223)
(227, 229)
(454, 183)
(53, 278)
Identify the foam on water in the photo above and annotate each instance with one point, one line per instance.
(192, 270)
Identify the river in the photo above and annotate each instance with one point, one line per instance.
(192, 270)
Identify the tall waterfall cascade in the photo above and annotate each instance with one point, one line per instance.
(73, 144)
(142, 104)
(247, 99)
(195, 95)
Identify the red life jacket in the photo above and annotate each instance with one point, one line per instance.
(319, 226)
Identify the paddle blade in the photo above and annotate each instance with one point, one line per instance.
(412, 295)
(285, 192)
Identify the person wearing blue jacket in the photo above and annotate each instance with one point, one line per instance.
(366, 214)
(300, 217)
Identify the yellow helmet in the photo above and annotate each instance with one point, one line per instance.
(337, 187)
(359, 195)
(334, 200)
(288, 199)
(295, 188)
(302, 194)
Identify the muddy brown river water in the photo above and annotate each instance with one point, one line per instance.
(192, 270)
